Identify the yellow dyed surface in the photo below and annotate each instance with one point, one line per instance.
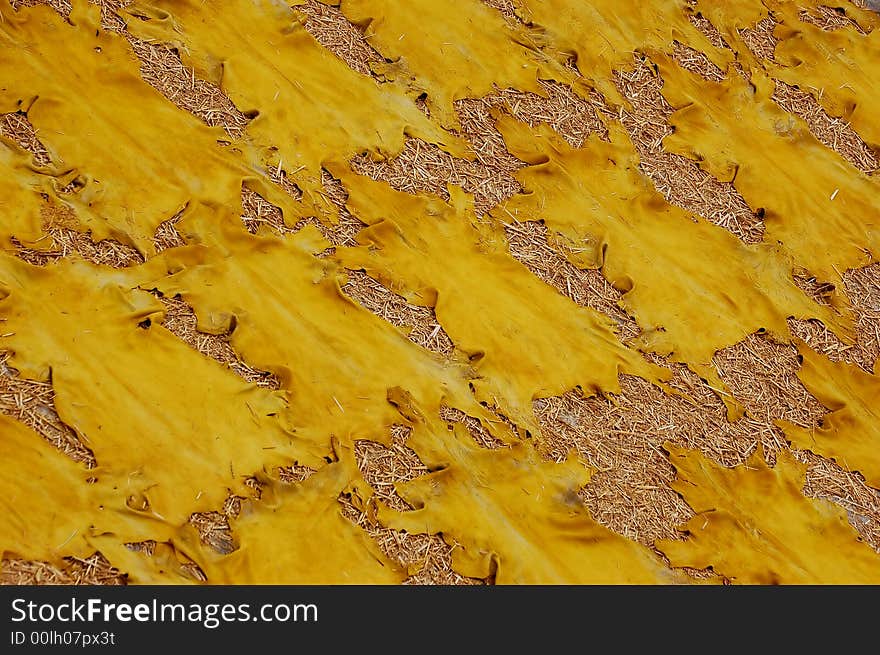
(176, 433)
(754, 525)
(512, 513)
(452, 50)
(850, 434)
(264, 60)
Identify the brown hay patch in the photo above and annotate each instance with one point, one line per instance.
(707, 28)
(162, 68)
(681, 181)
(257, 213)
(214, 531)
(63, 7)
(825, 479)
(180, 319)
(762, 375)
(92, 570)
(64, 241)
(587, 287)
(424, 168)
(862, 286)
(17, 127)
(832, 132)
(696, 62)
(334, 31)
(167, 236)
(760, 39)
(567, 113)
(344, 232)
(419, 323)
(621, 436)
(33, 403)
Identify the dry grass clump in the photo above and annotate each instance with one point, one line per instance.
(707, 28)
(528, 243)
(33, 403)
(333, 31)
(571, 116)
(419, 323)
(63, 7)
(762, 375)
(180, 319)
(834, 133)
(760, 38)
(621, 436)
(508, 8)
(214, 531)
(862, 286)
(681, 181)
(61, 240)
(257, 212)
(629, 491)
(696, 62)
(424, 168)
(162, 68)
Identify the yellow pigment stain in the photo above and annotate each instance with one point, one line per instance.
(754, 525)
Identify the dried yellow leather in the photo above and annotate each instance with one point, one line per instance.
(309, 104)
(692, 286)
(524, 339)
(452, 50)
(298, 535)
(19, 196)
(338, 360)
(167, 424)
(45, 505)
(603, 34)
(47, 509)
(821, 209)
(850, 434)
(508, 508)
(754, 525)
(841, 67)
(141, 157)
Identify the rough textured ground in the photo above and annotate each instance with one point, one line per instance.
(571, 285)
